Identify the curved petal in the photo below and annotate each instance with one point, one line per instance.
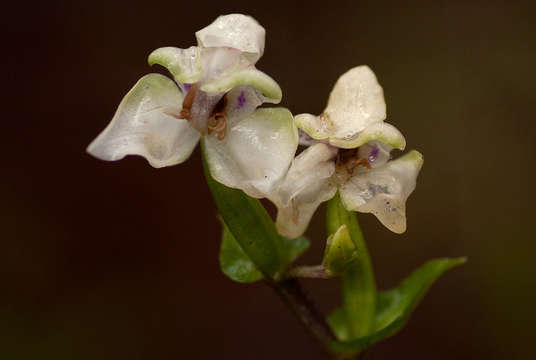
(236, 31)
(255, 153)
(184, 64)
(315, 126)
(307, 184)
(383, 191)
(142, 126)
(249, 76)
(384, 132)
(354, 114)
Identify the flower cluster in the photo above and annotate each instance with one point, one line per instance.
(215, 93)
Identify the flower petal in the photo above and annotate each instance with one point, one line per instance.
(355, 102)
(384, 132)
(184, 64)
(250, 76)
(142, 126)
(236, 31)
(383, 191)
(242, 101)
(255, 153)
(354, 115)
(375, 152)
(307, 184)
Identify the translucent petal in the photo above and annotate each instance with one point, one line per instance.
(250, 76)
(255, 153)
(307, 184)
(235, 31)
(142, 126)
(383, 191)
(183, 64)
(376, 153)
(221, 61)
(355, 102)
(354, 115)
(384, 132)
(241, 102)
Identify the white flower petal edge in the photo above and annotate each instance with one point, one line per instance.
(237, 31)
(255, 153)
(250, 76)
(141, 126)
(184, 64)
(307, 184)
(354, 115)
(383, 191)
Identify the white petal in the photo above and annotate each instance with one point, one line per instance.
(142, 126)
(355, 102)
(183, 64)
(236, 31)
(307, 184)
(384, 132)
(249, 76)
(255, 153)
(376, 153)
(315, 126)
(242, 101)
(383, 191)
(354, 115)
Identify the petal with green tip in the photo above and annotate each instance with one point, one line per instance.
(184, 64)
(250, 76)
(142, 125)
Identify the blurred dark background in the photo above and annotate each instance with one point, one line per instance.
(120, 260)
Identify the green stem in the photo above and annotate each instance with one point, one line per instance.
(358, 284)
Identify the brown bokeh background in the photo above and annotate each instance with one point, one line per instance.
(119, 260)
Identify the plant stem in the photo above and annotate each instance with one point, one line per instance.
(292, 294)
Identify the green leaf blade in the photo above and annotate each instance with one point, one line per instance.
(396, 305)
(234, 262)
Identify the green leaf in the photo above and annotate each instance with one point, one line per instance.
(396, 305)
(358, 284)
(340, 251)
(234, 262)
(337, 320)
(292, 248)
(249, 223)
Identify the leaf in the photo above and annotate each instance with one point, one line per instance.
(234, 262)
(396, 305)
(337, 320)
(292, 248)
(249, 223)
(358, 284)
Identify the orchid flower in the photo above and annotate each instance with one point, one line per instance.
(349, 151)
(214, 94)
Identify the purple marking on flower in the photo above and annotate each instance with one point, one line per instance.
(241, 100)
(187, 86)
(373, 154)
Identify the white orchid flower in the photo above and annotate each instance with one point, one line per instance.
(349, 151)
(215, 92)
